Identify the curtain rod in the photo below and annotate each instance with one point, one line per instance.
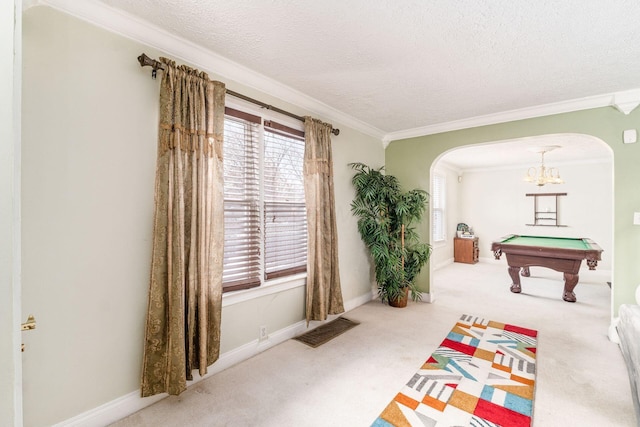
(145, 61)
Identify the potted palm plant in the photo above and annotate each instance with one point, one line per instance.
(386, 216)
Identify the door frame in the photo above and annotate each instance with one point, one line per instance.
(10, 223)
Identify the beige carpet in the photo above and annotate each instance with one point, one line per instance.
(348, 381)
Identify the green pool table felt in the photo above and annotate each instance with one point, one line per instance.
(551, 242)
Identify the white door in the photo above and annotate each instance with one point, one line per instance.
(10, 303)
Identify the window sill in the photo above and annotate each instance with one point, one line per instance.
(439, 243)
(271, 287)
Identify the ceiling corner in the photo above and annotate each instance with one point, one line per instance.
(627, 101)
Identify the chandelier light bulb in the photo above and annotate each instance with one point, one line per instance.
(542, 175)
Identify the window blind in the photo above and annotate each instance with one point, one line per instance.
(241, 202)
(438, 208)
(285, 217)
(264, 208)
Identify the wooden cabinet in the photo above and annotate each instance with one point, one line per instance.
(465, 250)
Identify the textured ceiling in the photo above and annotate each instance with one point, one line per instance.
(397, 65)
(524, 152)
(402, 64)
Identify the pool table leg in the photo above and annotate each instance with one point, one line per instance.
(570, 282)
(514, 272)
(525, 272)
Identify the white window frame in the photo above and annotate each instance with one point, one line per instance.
(439, 208)
(280, 284)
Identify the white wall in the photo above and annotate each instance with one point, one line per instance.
(494, 204)
(89, 150)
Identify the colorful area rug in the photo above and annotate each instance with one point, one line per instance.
(483, 374)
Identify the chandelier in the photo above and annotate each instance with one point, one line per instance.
(542, 175)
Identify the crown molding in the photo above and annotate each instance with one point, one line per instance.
(446, 166)
(525, 166)
(131, 27)
(625, 102)
(141, 31)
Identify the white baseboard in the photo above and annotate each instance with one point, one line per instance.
(130, 403)
(442, 264)
(361, 300)
(613, 331)
(428, 297)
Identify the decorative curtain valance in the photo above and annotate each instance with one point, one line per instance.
(185, 293)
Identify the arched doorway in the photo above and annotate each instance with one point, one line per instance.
(485, 190)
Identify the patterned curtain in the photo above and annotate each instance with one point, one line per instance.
(324, 295)
(185, 291)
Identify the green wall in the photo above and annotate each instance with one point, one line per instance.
(411, 159)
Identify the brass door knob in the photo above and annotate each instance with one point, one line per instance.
(29, 324)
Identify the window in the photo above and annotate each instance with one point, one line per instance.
(438, 222)
(285, 215)
(264, 210)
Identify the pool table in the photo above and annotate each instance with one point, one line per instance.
(557, 253)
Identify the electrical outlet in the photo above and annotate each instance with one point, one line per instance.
(263, 333)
